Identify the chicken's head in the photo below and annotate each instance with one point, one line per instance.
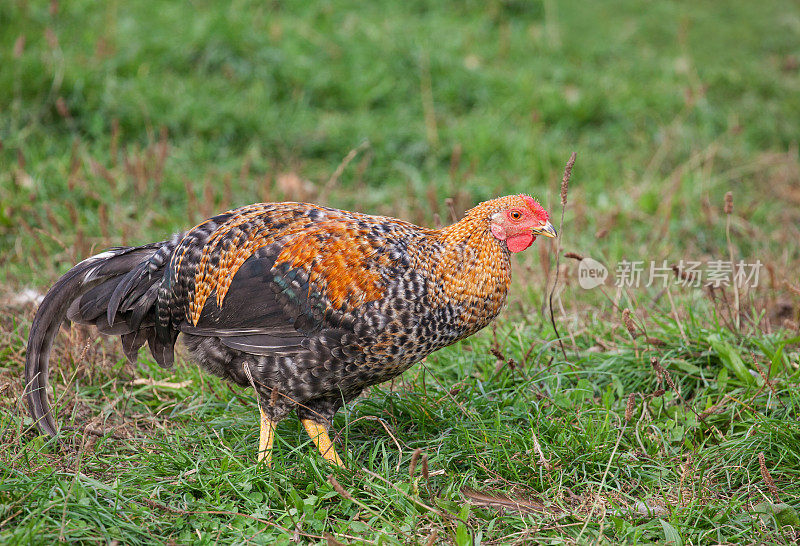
(519, 222)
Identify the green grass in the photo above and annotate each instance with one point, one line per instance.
(123, 122)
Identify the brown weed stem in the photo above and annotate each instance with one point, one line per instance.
(564, 190)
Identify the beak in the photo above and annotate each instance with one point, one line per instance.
(547, 230)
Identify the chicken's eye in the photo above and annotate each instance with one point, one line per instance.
(515, 215)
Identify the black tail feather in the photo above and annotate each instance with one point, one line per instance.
(141, 306)
(123, 288)
(131, 343)
(104, 280)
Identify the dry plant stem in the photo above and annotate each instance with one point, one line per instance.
(569, 332)
(538, 448)
(564, 188)
(728, 211)
(676, 317)
(712, 297)
(351, 155)
(765, 376)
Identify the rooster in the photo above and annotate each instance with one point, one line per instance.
(308, 305)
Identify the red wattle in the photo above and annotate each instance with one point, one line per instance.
(520, 242)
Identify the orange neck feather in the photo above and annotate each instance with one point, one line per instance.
(473, 264)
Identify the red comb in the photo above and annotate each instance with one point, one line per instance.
(537, 209)
(531, 202)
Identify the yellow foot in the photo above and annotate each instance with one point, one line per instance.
(319, 434)
(265, 439)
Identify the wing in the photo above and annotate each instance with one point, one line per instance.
(267, 281)
(256, 316)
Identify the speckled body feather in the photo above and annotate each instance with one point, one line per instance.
(357, 299)
(316, 303)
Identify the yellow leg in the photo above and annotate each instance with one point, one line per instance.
(266, 438)
(319, 434)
